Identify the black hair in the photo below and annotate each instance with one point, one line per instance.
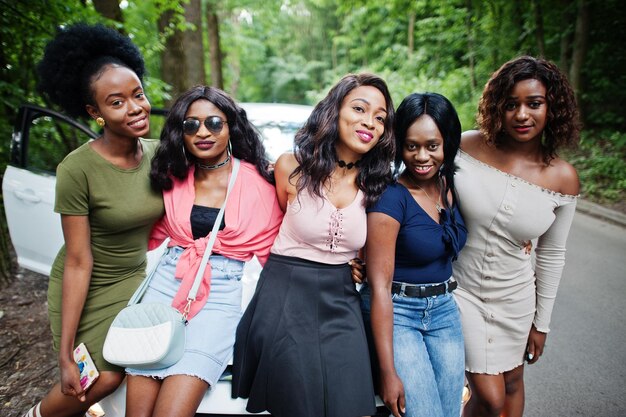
(441, 110)
(78, 54)
(315, 142)
(170, 160)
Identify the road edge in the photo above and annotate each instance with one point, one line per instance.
(601, 212)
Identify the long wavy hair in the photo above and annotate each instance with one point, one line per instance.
(562, 125)
(315, 143)
(443, 113)
(170, 160)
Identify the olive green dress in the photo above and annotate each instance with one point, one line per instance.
(122, 209)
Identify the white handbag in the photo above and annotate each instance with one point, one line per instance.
(152, 335)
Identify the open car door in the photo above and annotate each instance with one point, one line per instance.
(41, 139)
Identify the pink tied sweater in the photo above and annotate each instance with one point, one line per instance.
(252, 218)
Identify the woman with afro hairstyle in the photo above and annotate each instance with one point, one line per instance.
(105, 200)
(414, 233)
(301, 348)
(514, 193)
(204, 135)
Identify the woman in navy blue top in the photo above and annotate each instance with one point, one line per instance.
(415, 231)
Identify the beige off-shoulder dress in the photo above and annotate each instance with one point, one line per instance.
(501, 293)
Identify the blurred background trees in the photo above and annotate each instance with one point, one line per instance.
(294, 50)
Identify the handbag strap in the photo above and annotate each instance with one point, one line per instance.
(209, 246)
(193, 291)
(143, 286)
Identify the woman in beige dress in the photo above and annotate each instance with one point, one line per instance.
(515, 193)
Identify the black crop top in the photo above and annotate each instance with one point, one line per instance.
(202, 220)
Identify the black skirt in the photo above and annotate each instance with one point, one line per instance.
(301, 348)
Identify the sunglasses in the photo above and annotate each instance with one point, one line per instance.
(214, 124)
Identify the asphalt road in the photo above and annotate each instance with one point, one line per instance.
(583, 369)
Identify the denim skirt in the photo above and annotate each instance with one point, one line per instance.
(210, 334)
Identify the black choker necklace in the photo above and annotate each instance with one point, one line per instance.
(349, 165)
(216, 166)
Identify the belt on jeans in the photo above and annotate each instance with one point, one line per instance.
(415, 290)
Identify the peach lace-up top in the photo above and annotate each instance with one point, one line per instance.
(314, 229)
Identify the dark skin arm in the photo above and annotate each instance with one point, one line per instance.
(534, 347)
(382, 232)
(76, 280)
(358, 268)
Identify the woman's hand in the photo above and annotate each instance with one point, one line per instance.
(358, 270)
(392, 393)
(535, 345)
(70, 380)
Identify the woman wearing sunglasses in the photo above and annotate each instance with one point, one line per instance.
(203, 134)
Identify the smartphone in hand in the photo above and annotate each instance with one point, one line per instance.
(86, 367)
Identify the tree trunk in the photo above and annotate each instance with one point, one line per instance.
(6, 252)
(565, 50)
(411, 34)
(519, 23)
(173, 63)
(215, 51)
(235, 60)
(581, 37)
(470, 44)
(567, 34)
(109, 9)
(539, 33)
(192, 45)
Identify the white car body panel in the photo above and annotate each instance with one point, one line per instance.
(217, 400)
(34, 227)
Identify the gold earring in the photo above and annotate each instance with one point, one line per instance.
(100, 121)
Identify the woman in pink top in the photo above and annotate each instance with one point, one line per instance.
(204, 131)
(301, 348)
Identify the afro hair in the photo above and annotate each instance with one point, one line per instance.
(75, 55)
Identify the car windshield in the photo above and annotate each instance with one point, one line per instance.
(277, 137)
(277, 123)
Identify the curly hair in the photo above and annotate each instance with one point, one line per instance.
(562, 125)
(170, 160)
(315, 142)
(441, 110)
(76, 56)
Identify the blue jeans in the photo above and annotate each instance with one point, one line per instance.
(428, 353)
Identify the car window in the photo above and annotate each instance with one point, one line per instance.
(46, 137)
(49, 140)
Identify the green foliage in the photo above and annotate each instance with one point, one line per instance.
(601, 164)
(25, 27)
(294, 50)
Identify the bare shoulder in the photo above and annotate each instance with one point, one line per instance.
(472, 142)
(565, 177)
(285, 165)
